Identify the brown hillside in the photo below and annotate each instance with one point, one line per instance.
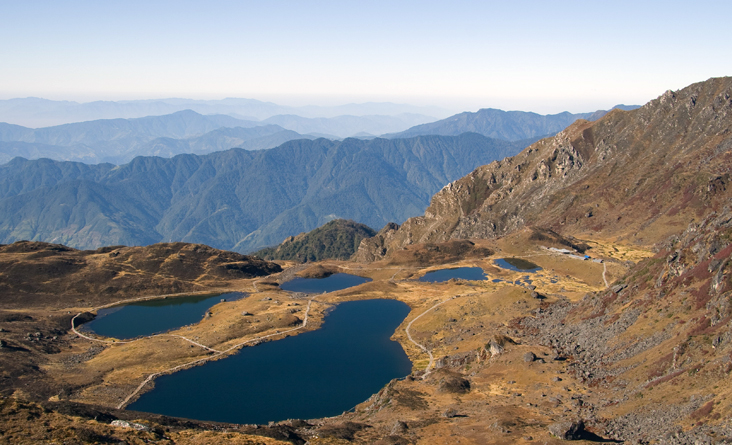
(34, 274)
(636, 176)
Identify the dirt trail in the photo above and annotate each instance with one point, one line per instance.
(217, 355)
(428, 370)
(121, 342)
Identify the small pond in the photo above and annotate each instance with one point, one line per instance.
(331, 283)
(464, 273)
(314, 374)
(517, 265)
(153, 316)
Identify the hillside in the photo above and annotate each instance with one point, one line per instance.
(338, 240)
(636, 176)
(499, 124)
(42, 275)
(237, 200)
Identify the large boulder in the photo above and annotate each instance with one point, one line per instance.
(568, 430)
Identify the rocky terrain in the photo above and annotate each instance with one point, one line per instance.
(657, 342)
(638, 175)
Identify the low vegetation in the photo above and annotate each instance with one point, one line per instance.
(336, 240)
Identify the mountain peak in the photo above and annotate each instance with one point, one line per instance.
(655, 167)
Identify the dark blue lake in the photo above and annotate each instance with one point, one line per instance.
(464, 273)
(517, 265)
(153, 316)
(331, 283)
(314, 374)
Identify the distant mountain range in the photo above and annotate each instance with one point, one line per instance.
(348, 126)
(236, 199)
(119, 140)
(506, 125)
(36, 112)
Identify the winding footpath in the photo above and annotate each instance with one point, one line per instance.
(217, 355)
(121, 342)
(428, 369)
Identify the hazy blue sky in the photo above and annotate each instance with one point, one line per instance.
(544, 56)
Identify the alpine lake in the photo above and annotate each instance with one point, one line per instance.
(314, 374)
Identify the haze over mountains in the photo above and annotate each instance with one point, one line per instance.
(36, 112)
(120, 140)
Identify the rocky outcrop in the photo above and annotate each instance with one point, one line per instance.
(652, 168)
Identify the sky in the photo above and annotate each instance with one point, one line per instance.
(541, 56)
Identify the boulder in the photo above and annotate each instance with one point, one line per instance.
(618, 287)
(568, 430)
(450, 413)
(399, 428)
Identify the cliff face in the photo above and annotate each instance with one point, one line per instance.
(638, 175)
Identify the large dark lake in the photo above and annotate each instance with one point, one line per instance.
(464, 273)
(314, 374)
(331, 283)
(153, 316)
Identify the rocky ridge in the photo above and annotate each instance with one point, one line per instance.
(638, 175)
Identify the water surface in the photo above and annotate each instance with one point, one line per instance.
(153, 316)
(517, 265)
(331, 283)
(314, 374)
(464, 273)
